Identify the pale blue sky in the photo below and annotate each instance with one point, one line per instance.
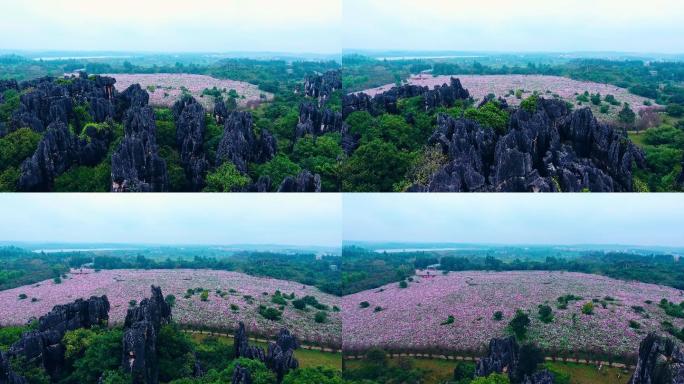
(628, 219)
(654, 26)
(304, 26)
(219, 219)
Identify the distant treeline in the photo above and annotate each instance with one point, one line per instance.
(21, 267)
(364, 269)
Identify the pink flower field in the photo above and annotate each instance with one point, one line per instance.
(480, 86)
(411, 317)
(166, 88)
(121, 286)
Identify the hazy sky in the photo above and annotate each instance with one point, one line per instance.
(173, 218)
(172, 25)
(628, 219)
(654, 26)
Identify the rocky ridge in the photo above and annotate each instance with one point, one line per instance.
(43, 346)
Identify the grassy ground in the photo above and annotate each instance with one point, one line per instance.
(589, 374)
(307, 358)
(439, 370)
(443, 370)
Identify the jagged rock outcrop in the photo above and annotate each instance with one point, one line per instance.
(321, 86)
(47, 100)
(190, 129)
(79, 314)
(241, 146)
(220, 111)
(470, 150)
(444, 95)
(6, 374)
(304, 182)
(43, 346)
(241, 375)
(503, 104)
(140, 353)
(548, 150)
(8, 84)
(133, 97)
(661, 360)
(279, 357)
(154, 309)
(502, 357)
(541, 377)
(136, 164)
(141, 328)
(56, 152)
(317, 121)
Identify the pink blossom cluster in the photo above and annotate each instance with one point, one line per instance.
(165, 88)
(412, 317)
(122, 286)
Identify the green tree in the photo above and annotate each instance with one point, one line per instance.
(375, 167)
(545, 313)
(260, 374)
(103, 354)
(175, 353)
(17, 146)
(277, 169)
(490, 115)
(627, 116)
(85, 179)
(226, 178)
(317, 375)
(320, 155)
(529, 360)
(9, 336)
(321, 317)
(530, 104)
(519, 324)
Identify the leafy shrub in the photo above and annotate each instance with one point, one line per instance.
(270, 313)
(498, 316)
(530, 104)
(204, 296)
(588, 308)
(545, 313)
(403, 284)
(363, 304)
(449, 320)
(377, 309)
(321, 317)
(633, 324)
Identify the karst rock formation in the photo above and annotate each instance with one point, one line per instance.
(504, 357)
(279, 357)
(444, 95)
(136, 164)
(44, 345)
(141, 327)
(190, 130)
(661, 361)
(548, 150)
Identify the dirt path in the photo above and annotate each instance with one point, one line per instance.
(258, 340)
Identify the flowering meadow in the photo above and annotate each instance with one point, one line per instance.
(480, 86)
(238, 299)
(417, 317)
(166, 88)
